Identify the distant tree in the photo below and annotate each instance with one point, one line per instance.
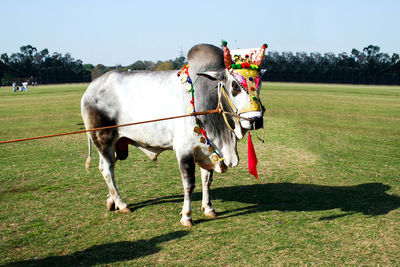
(150, 65)
(395, 64)
(179, 62)
(88, 67)
(138, 65)
(166, 65)
(99, 70)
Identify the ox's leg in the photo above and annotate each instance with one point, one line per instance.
(104, 140)
(114, 200)
(100, 162)
(187, 168)
(206, 179)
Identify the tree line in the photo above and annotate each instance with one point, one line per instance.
(40, 66)
(175, 64)
(369, 66)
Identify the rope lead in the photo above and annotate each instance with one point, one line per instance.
(213, 111)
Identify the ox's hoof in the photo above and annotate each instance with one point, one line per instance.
(125, 210)
(211, 214)
(187, 223)
(110, 204)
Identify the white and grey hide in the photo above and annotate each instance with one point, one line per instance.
(126, 97)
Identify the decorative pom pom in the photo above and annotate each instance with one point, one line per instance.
(265, 46)
(224, 43)
(254, 67)
(251, 79)
(245, 65)
(252, 88)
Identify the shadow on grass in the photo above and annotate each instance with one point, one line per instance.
(157, 201)
(106, 253)
(368, 199)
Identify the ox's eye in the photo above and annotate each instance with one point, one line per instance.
(235, 88)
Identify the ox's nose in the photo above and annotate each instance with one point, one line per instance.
(257, 123)
(254, 120)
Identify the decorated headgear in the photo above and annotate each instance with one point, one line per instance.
(246, 71)
(252, 61)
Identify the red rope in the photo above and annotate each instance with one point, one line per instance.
(218, 110)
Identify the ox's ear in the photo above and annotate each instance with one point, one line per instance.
(213, 75)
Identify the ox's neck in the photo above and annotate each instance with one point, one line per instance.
(206, 98)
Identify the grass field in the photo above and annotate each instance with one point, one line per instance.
(328, 192)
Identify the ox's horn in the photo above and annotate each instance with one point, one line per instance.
(260, 56)
(227, 55)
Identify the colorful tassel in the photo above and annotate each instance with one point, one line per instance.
(252, 158)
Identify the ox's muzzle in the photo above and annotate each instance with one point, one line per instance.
(254, 120)
(253, 113)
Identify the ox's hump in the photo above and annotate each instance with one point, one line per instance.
(202, 55)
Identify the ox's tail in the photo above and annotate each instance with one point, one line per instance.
(89, 158)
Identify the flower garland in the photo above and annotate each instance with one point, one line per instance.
(198, 129)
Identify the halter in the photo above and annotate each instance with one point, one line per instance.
(221, 91)
(245, 82)
(246, 72)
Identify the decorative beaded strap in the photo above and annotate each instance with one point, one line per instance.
(198, 129)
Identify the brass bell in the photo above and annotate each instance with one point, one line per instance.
(197, 130)
(214, 158)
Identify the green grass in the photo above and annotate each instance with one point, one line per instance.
(328, 192)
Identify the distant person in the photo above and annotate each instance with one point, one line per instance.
(25, 85)
(14, 85)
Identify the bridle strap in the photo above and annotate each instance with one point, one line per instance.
(234, 109)
(234, 114)
(221, 91)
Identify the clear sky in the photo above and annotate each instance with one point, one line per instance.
(123, 31)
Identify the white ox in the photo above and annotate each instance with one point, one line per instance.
(126, 97)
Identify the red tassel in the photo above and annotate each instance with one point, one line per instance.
(252, 158)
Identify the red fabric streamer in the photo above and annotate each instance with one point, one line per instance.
(252, 158)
